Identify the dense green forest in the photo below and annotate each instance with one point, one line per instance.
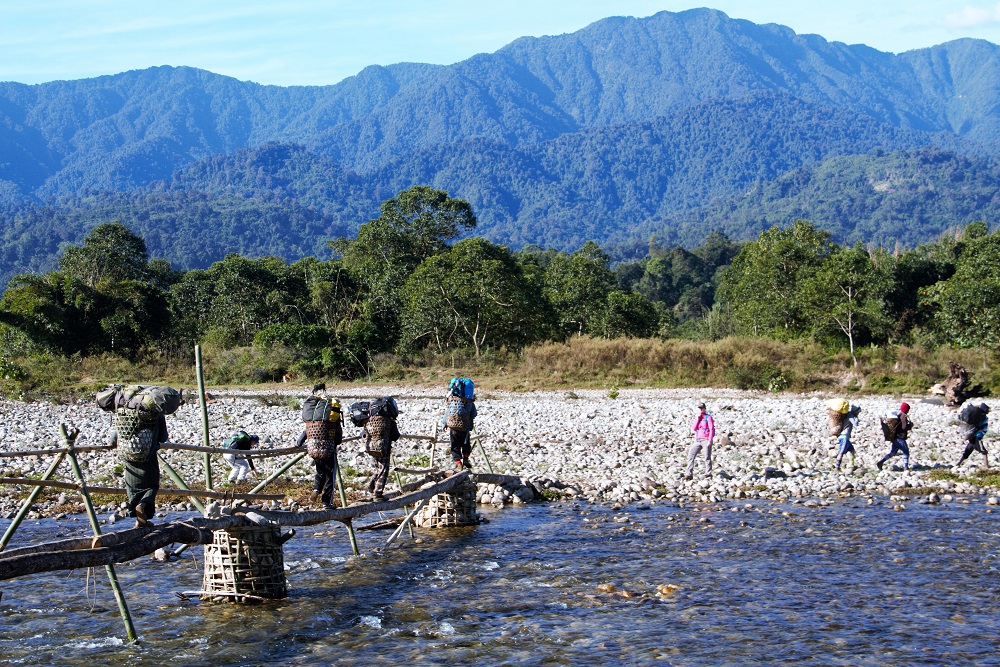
(286, 201)
(675, 125)
(406, 285)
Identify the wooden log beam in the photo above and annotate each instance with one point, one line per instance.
(140, 542)
(56, 450)
(180, 446)
(255, 453)
(73, 543)
(221, 495)
(490, 478)
(354, 511)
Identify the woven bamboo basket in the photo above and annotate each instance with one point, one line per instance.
(457, 508)
(244, 565)
(836, 421)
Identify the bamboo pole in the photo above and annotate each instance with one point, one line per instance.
(343, 503)
(399, 481)
(179, 481)
(280, 471)
(220, 495)
(204, 415)
(485, 458)
(95, 525)
(56, 450)
(406, 522)
(29, 501)
(197, 530)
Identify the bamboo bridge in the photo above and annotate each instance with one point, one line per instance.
(246, 562)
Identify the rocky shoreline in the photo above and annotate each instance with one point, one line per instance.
(580, 445)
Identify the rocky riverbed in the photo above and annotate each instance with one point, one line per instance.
(582, 445)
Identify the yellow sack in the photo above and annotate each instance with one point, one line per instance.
(839, 405)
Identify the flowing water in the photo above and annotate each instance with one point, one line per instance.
(568, 584)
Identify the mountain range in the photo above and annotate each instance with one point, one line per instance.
(670, 123)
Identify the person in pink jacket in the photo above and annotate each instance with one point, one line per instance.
(704, 434)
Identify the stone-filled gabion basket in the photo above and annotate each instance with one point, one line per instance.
(456, 508)
(245, 564)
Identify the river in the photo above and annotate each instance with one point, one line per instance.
(562, 584)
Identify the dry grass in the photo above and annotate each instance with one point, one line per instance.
(741, 363)
(797, 365)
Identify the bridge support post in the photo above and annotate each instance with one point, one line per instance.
(70, 438)
(452, 508)
(245, 564)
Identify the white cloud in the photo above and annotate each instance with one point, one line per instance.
(974, 17)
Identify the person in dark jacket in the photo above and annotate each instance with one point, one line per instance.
(321, 440)
(975, 431)
(241, 464)
(142, 478)
(379, 434)
(899, 445)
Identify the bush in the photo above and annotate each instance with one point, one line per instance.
(300, 337)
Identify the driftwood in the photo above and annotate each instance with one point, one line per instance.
(128, 545)
(956, 384)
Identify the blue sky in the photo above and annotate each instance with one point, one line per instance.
(315, 42)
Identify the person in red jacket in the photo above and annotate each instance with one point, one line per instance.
(703, 428)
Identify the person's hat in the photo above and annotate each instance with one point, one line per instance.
(255, 438)
(319, 387)
(984, 407)
(701, 406)
(904, 407)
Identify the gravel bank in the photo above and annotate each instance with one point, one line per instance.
(579, 444)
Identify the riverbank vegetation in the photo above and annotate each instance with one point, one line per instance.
(414, 298)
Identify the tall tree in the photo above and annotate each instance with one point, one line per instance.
(848, 294)
(577, 286)
(968, 304)
(474, 295)
(110, 252)
(414, 225)
(761, 286)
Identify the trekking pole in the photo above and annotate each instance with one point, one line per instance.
(434, 439)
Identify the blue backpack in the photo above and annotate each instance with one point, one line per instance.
(462, 387)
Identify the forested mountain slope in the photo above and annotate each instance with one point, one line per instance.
(597, 184)
(122, 131)
(902, 198)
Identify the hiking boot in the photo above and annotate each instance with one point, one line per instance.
(458, 465)
(878, 464)
(466, 465)
(329, 506)
(378, 497)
